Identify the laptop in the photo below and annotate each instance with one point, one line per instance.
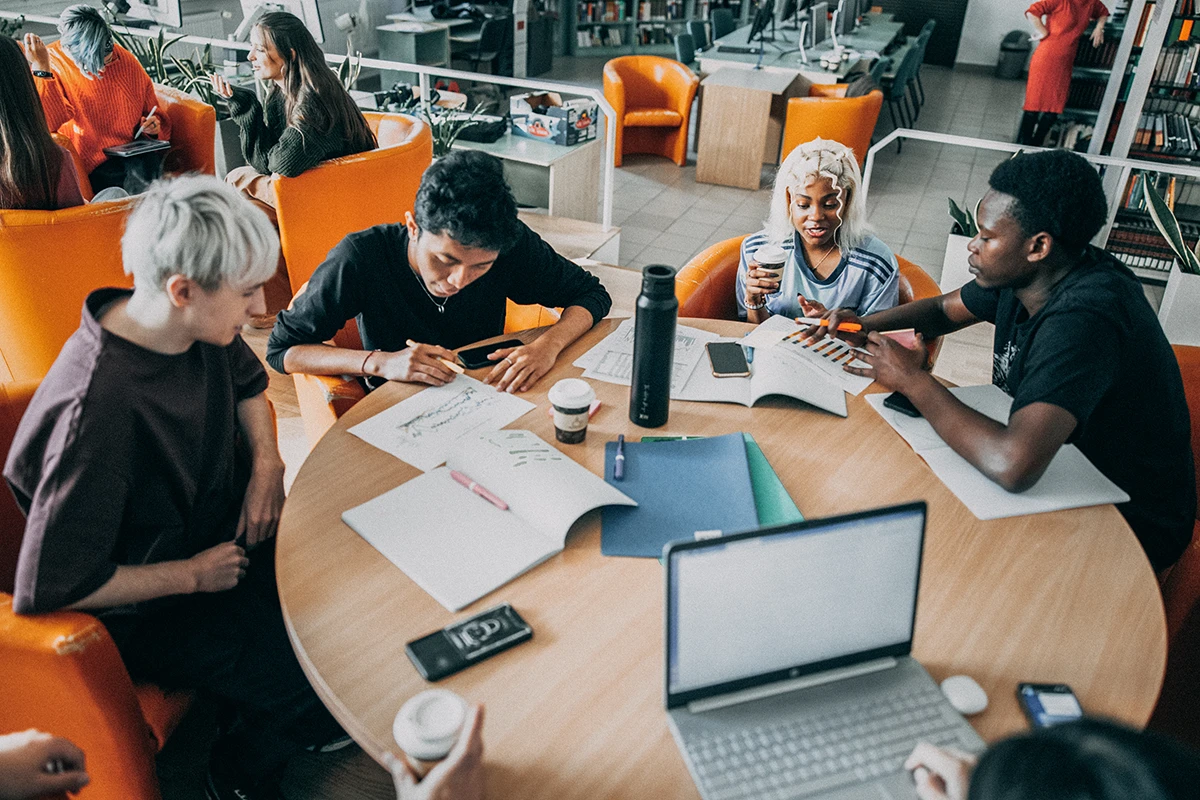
(788, 660)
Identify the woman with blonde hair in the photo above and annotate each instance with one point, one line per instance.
(818, 216)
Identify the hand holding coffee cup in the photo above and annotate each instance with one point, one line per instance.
(765, 275)
(459, 774)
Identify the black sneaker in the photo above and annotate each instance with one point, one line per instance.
(225, 782)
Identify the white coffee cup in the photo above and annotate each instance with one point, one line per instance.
(771, 258)
(572, 400)
(428, 725)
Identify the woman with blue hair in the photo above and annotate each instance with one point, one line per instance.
(93, 91)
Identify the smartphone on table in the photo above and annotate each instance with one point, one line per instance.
(477, 357)
(898, 402)
(728, 360)
(1047, 704)
(469, 641)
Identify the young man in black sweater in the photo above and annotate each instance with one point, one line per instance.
(1077, 346)
(441, 279)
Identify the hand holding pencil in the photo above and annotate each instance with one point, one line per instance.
(417, 363)
(821, 322)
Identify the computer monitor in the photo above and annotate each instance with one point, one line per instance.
(764, 17)
(791, 12)
(845, 17)
(168, 13)
(306, 10)
(817, 17)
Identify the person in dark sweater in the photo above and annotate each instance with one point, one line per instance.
(442, 279)
(1077, 346)
(309, 117)
(150, 476)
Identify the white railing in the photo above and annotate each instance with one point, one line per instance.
(1115, 181)
(424, 71)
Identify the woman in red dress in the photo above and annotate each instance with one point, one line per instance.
(1050, 67)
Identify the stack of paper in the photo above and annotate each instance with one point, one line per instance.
(1071, 481)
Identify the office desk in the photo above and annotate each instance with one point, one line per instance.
(577, 712)
(743, 106)
(414, 42)
(871, 38)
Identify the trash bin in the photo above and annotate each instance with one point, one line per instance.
(1014, 52)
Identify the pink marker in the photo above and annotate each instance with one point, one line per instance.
(479, 490)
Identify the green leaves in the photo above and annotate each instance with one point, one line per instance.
(963, 219)
(186, 74)
(11, 28)
(349, 69)
(1168, 226)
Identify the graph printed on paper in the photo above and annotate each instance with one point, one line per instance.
(830, 356)
(612, 359)
(460, 406)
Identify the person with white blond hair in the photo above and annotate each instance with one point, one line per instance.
(149, 472)
(818, 216)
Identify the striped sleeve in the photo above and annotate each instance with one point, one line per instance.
(749, 245)
(882, 276)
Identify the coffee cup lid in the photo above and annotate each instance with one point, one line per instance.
(572, 393)
(427, 726)
(770, 253)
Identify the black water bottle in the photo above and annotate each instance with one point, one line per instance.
(653, 347)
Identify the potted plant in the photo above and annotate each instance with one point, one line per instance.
(955, 272)
(1179, 313)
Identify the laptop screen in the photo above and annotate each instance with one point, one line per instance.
(765, 606)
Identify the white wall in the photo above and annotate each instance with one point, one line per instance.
(984, 26)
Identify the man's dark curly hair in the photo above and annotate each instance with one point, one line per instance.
(1055, 191)
(464, 196)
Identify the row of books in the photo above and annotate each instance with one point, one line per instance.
(1177, 65)
(654, 34)
(602, 12)
(600, 37)
(1185, 8)
(1101, 57)
(1085, 93)
(1168, 134)
(671, 9)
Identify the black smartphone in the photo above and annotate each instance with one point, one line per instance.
(728, 359)
(477, 357)
(898, 402)
(1047, 704)
(461, 644)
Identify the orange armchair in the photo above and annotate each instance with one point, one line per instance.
(193, 132)
(318, 208)
(827, 114)
(324, 398)
(63, 674)
(652, 98)
(1178, 711)
(49, 262)
(706, 284)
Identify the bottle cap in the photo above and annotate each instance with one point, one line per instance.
(770, 255)
(572, 396)
(658, 281)
(428, 725)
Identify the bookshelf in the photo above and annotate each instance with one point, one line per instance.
(617, 27)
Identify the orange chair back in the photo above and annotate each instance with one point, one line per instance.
(659, 93)
(14, 399)
(52, 661)
(1181, 589)
(850, 121)
(193, 132)
(318, 208)
(652, 81)
(706, 285)
(915, 284)
(49, 262)
(81, 176)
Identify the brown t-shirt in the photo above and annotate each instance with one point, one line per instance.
(124, 457)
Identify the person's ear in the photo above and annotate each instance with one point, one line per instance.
(1039, 246)
(414, 230)
(181, 291)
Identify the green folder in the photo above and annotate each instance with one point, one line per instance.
(772, 502)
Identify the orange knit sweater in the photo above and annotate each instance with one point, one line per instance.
(100, 111)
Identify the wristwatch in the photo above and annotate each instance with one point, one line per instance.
(42, 73)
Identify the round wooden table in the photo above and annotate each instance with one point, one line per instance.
(577, 712)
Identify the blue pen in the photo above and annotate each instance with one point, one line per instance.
(619, 461)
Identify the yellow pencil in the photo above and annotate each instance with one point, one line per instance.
(450, 365)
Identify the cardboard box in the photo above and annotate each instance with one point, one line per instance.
(569, 122)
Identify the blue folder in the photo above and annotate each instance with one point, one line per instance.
(681, 487)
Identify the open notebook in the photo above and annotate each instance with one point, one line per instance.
(456, 545)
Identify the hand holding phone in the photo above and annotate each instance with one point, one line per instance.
(477, 357)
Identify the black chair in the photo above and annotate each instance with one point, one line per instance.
(722, 22)
(685, 50)
(699, 32)
(492, 38)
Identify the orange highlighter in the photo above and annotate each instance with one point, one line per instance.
(845, 327)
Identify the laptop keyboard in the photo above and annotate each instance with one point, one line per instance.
(809, 755)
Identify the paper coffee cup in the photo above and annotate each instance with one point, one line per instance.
(428, 725)
(771, 258)
(572, 399)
